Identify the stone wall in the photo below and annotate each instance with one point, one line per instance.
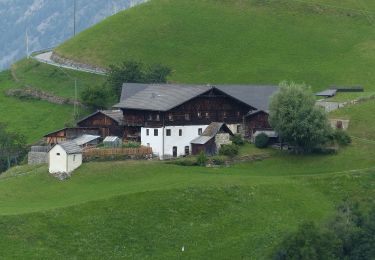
(221, 139)
(63, 61)
(37, 158)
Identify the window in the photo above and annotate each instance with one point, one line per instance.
(199, 114)
(238, 129)
(58, 154)
(207, 115)
(200, 131)
(156, 132)
(148, 144)
(157, 117)
(149, 118)
(187, 117)
(238, 113)
(224, 114)
(170, 117)
(169, 132)
(187, 150)
(147, 132)
(180, 132)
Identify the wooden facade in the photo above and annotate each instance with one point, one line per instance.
(214, 106)
(69, 134)
(256, 121)
(107, 126)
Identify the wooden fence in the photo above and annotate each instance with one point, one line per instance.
(102, 153)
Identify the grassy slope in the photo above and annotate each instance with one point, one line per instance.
(35, 118)
(152, 209)
(57, 81)
(237, 41)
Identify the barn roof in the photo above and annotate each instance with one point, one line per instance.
(211, 130)
(163, 97)
(254, 95)
(158, 97)
(116, 115)
(70, 147)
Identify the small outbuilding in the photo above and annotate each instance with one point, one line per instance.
(213, 137)
(112, 142)
(87, 140)
(64, 157)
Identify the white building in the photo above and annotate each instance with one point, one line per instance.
(171, 141)
(64, 157)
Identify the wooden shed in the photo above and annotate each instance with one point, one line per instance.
(213, 137)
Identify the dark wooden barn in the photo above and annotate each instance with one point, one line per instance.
(109, 122)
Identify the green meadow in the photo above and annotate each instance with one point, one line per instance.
(150, 209)
(232, 41)
(34, 118)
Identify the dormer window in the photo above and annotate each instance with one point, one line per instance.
(199, 114)
(170, 117)
(157, 117)
(238, 113)
(207, 115)
(187, 117)
(224, 114)
(149, 118)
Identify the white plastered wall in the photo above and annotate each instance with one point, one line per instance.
(174, 140)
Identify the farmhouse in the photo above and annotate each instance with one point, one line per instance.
(167, 117)
(65, 157)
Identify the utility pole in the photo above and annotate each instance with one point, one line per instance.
(74, 17)
(75, 100)
(27, 44)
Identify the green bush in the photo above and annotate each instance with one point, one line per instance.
(218, 160)
(341, 137)
(184, 162)
(261, 140)
(237, 140)
(230, 150)
(202, 159)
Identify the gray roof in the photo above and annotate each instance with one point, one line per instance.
(253, 95)
(85, 139)
(158, 97)
(327, 93)
(111, 139)
(70, 147)
(201, 139)
(163, 97)
(210, 132)
(214, 128)
(116, 115)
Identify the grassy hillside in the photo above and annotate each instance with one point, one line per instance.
(240, 41)
(35, 118)
(140, 210)
(143, 209)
